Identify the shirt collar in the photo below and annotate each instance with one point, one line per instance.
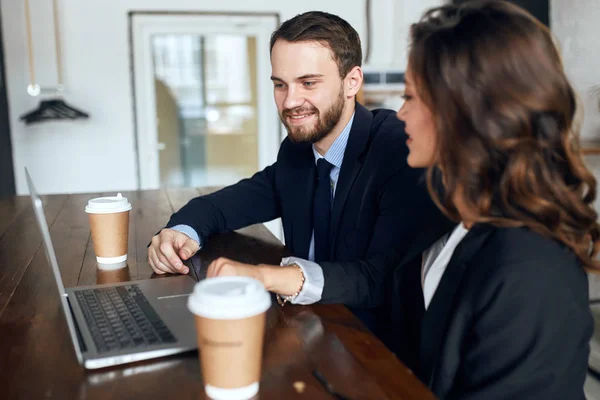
(335, 154)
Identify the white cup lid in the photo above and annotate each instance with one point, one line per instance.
(229, 297)
(108, 205)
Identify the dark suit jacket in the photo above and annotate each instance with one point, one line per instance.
(380, 205)
(510, 320)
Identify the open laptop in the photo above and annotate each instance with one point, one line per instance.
(119, 323)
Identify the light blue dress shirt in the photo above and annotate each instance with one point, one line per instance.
(314, 281)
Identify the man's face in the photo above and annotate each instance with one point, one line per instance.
(309, 91)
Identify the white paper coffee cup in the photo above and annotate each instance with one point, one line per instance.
(108, 205)
(230, 322)
(109, 223)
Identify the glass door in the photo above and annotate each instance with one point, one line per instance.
(205, 114)
(206, 108)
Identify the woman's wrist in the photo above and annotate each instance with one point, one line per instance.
(283, 280)
(265, 271)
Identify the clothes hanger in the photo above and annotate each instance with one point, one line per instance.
(55, 108)
(52, 109)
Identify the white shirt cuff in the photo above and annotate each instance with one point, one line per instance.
(314, 281)
(188, 231)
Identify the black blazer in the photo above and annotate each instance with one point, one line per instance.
(380, 205)
(510, 320)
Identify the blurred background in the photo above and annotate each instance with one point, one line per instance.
(178, 92)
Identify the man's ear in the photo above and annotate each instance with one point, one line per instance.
(353, 81)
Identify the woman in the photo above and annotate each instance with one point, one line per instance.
(489, 111)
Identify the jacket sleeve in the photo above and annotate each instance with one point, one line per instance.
(248, 202)
(530, 335)
(404, 209)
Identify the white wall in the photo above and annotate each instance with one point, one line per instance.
(576, 25)
(68, 156)
(390, 23)
(98, 154)
(407, 13)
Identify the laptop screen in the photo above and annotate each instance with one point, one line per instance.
(51, 255)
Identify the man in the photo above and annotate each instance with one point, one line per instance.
(349, 203)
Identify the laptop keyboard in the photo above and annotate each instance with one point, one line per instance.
(121, 318)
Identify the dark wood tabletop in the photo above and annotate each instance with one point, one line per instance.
(37, 360)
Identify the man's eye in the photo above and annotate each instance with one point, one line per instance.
(406, 97)
(309, 84)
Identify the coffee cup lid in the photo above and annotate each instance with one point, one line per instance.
(108, 205)
(229, 297)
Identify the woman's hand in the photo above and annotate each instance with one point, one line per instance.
(225, 267)
(281, 280)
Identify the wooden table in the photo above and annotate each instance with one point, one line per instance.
(37, 360)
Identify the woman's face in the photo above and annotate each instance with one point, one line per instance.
(420, 126)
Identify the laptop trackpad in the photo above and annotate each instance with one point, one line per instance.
(176, 302)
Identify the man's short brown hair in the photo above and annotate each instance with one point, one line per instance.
(329, 30)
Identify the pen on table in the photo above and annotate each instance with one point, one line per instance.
(328, 386)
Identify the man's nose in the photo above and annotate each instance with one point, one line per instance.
(293, 99)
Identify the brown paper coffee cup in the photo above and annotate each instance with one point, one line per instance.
(231, 350)
(230, 325)
(110, 234)
(109, 224)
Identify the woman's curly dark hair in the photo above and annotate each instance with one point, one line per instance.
(503, 108)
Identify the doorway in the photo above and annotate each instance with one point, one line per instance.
(203, 98)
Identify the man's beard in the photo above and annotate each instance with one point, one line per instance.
(331, 116)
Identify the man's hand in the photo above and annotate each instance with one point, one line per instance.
(168, 249)
(225, 267)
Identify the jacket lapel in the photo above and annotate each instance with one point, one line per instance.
(432, 232)
(302, 191)
(351, 166)
(435, 321)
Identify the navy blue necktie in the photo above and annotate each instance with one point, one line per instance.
(322, 210)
